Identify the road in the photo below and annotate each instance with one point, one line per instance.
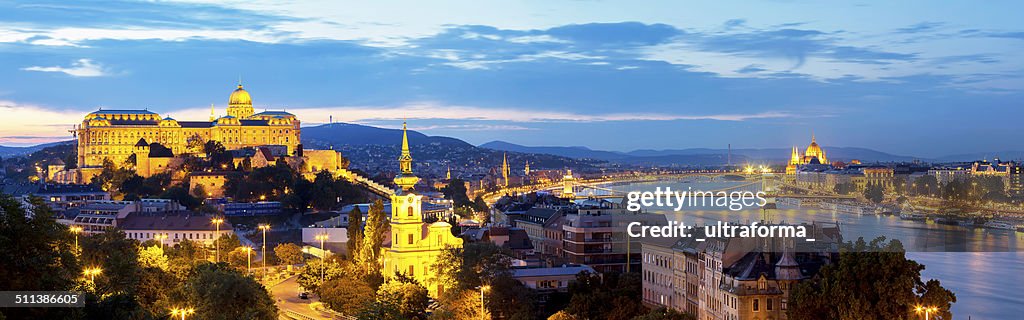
(286, 295)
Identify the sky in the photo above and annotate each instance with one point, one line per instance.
(921, 78)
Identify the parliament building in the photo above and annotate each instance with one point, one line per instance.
(117, 134)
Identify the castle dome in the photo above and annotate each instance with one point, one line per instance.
(240, 97)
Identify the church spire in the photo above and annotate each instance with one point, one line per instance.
(504, 168)
(212, 112)
(406, 179)
(448, 175)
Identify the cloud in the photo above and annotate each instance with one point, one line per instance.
(36, 124)
(436, 111)
(78, 68)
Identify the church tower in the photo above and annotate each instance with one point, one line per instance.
(415, 245)
(405, 179)
(527, 169)
(504, 169)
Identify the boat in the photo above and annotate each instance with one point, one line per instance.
(912, 217)
(999, 225)
(949, 221)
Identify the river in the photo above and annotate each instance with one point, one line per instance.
(983, 267)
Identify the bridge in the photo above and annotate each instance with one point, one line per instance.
(571, 187)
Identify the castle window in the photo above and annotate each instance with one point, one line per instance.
(768, 305)
(410, 238)
(412, 271)
(410, 211)
(756, 305)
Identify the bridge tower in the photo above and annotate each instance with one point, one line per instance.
(568, 185)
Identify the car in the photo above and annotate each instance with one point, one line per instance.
(304, 295)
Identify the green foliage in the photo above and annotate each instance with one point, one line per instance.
(613, 296)
(318, 271)
(844, 188)
(470, 266)
(874, 192)
(871, 280)
(300, 196)
(289, 253)
(182, 196)
(221, 293)
(355, 233)
(925, 185)
(35, 254)
(153, 257)
(510, 299)
(456, 191)
(460, 305)
(407, 297)
(347, 294)
(664, 314)
(373, 236)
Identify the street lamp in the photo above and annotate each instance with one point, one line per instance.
(92, 272)
(323, 254)
(161, 237)
(76, 230)
(482, 290)
(926, 310)
(248, 258)
(264, 228)
(182, 312)
(216, 238)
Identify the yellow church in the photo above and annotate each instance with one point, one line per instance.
(415, 245)
(813, 155)
(117, 134)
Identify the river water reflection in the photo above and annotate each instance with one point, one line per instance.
(984, 267)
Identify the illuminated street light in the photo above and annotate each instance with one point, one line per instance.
(482, 290)
(248, 258)
(76, 230)
(161, 237)
(323, 254)
(216, 238)
(92, 272)
(264, 228)
(926, 310)
(182, 312)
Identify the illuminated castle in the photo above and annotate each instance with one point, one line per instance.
(415, 244)
(813, 155)
(117, 134)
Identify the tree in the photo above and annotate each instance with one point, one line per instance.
(874, 192)
(510, 299)
(613, 296)
(460, 305)
(373, 236)
(871, 280)
(240, 258)
(355, 233)
(456, 191)
(34, 256)
(182, 196)
(300, 196)
(318, 271)
(664, 314)
(220, 293)
(324, 193)
(926, 185)
(347, 295)
(407, 297)
(153, 257)
(288, 253)
(844, 188)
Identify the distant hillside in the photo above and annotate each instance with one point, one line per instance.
(375, 150)
(356, 134)
(1002, 155)
(571, 152)
(21, 151)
